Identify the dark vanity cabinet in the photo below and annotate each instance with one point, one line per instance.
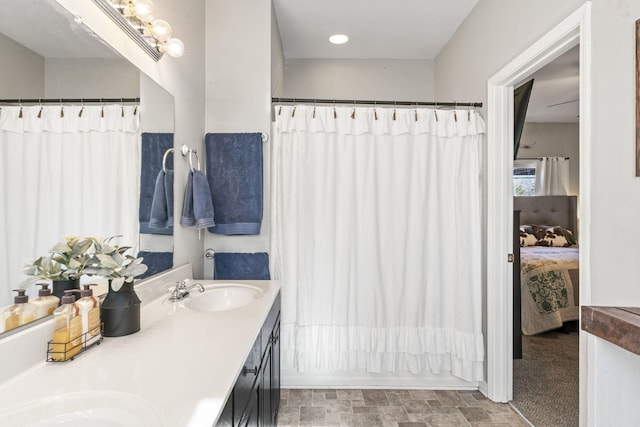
(255, 398)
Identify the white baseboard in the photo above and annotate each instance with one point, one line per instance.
(363, 379)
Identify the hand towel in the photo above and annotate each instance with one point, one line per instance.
(156, 262)
(197, 207)
(234, 172)
(153, 147)
(241, 266)
(161, 215)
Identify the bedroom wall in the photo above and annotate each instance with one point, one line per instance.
(490, 37)
(22, 77)
(379, 79)
(551, 140)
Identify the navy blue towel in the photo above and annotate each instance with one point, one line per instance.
(153, 147)
(161, 215)
(156, 262)
(234, 172)
(241, 266)
(197, 208)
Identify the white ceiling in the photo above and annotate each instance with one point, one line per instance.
(382, 29)
(556, 90)
(409, 29)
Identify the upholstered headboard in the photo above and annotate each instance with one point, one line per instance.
(548, 210)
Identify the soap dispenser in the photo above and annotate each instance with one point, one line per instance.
(21, 312)
(89, 313)
(67, 328)
(45, 303)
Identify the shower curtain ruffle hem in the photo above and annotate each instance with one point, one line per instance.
(377, 349)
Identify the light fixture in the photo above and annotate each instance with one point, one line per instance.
(338, 39)
(136, 19)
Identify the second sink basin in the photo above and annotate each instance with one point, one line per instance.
(83, 409)
(222, 296)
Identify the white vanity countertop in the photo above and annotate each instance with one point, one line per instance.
(182, 362)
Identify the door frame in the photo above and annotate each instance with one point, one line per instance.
(574, 30)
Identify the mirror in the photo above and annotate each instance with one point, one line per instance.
(47, 55)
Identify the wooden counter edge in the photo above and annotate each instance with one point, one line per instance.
(618, 325)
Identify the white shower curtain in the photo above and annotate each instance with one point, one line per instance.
(552, 176)
(78, 174)
(376, 239)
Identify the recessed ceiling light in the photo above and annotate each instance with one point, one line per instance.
(338, 39)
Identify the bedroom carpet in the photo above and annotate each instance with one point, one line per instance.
(545, 380)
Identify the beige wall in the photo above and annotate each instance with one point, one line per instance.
(372, 79)
(554, 140)
(23, 75)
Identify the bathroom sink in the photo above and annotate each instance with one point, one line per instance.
(83, 409)
(222, 296)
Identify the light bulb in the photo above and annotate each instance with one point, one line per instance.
(161, 30)
(173, 47)
(338, 39)
(143, 9)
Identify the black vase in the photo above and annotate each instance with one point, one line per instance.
(59, 286)
(120, 311)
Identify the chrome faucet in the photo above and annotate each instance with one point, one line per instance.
(181, 290)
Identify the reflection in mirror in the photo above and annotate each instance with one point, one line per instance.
(85, 187)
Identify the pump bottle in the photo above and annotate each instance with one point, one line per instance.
(21, 312)
(45, 303)
(89, 313)
(67, 332)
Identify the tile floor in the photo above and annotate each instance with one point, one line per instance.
(393, 408)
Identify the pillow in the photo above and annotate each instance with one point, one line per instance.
(527, 239)
(545, 235)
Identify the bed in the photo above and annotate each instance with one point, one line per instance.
(546, 269)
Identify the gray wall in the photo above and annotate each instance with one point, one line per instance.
(182, 77)
(379, 79)
(156, 115)
(494, 33)
(277, 57)
(238, 92)
(23, 75)
(551, 140)
(90, 78)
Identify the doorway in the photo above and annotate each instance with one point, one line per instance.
(573, 31)
(545, 375)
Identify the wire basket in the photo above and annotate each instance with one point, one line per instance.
(63, 351)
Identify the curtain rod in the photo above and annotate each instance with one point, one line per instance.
(542, 158)
(67, 100)
(372, 102)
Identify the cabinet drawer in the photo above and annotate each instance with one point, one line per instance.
(244, 385)
(270, 323)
